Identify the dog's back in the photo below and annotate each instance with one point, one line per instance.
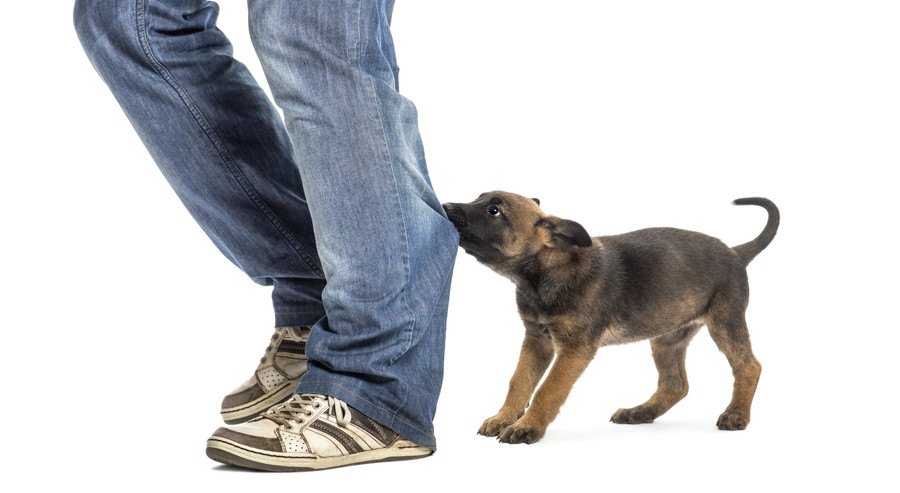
(667, 277)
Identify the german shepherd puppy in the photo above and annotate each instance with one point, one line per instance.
(576, 293)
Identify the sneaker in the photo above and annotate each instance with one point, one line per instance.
(309, 431)
(275, 378)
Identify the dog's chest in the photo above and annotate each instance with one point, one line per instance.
(547, 318)
(535, 309)
(542, 306)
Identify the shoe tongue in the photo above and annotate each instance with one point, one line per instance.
(296, 333)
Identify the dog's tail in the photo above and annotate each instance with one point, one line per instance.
(751, 249)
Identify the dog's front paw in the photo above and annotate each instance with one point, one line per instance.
(733, 420)
(634, 416)
(520, 434)
(495, 424)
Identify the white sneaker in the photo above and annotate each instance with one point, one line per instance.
(275, 378)
(309, 431)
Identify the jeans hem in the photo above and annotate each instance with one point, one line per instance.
(294, 319)
(384, 417)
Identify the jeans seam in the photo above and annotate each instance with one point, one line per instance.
(430, 318)
(385, 150)
(230, 164)
(444, 286)
(354, 55)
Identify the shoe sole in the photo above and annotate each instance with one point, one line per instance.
(234, 454)
(246, 412)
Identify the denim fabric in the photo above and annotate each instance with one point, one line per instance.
(333, 207)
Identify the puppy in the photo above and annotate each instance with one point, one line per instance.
(576, 293)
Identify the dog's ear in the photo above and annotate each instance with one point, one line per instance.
(566, 233)
(536, 200)
(571, 233)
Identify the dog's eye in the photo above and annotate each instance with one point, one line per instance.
(493, 210)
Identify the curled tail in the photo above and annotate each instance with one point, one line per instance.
(751, 249)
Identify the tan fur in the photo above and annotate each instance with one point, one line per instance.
(568, 367)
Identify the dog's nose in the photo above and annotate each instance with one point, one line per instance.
(455, 215)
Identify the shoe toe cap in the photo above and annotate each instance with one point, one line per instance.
(241, 397)
(238, 436)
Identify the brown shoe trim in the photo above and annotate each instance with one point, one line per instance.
(346, 440)
(383, 434)
(244, 396)
(260, 443)
(293, 347)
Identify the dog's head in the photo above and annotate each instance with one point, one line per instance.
(502, 229)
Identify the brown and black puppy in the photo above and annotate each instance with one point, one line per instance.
(576, 293)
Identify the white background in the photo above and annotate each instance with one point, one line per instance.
(123, 327)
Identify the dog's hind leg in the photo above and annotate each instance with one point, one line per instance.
(669, 352)
(728, 329)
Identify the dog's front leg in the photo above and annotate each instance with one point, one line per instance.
(570, 364)
(535, 357)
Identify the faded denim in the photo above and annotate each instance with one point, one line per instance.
(333, 206)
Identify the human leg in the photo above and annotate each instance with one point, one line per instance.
(386, 246)
(215, 136)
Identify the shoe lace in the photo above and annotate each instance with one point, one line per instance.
(270, 348)
(300, 407)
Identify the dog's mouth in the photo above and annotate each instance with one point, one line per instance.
(470, 242)
(457, 217)
(475, 246)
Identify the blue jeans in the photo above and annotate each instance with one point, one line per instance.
(333, 206)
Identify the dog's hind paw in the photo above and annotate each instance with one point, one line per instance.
(634, 416)
(514, 434)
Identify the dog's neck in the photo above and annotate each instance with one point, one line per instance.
(553, 271)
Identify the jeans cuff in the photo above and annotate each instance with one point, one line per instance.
(295, 319)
